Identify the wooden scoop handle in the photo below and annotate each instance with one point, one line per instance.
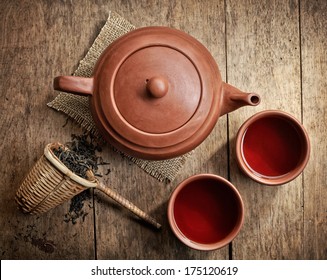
(127, 204)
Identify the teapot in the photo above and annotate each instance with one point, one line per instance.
(156, 93)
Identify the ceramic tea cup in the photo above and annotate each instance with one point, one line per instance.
(272, 147)
(205, 212)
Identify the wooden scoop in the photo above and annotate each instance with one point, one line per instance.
(123, 201)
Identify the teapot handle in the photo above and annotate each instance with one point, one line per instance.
(74, 84)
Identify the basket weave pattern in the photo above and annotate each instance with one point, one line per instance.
(45, 187)
(50, 183)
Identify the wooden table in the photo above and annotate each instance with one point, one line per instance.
(275, 48)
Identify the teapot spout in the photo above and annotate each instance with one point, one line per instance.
(234, 98)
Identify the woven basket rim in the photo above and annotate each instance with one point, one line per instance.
(48, 153)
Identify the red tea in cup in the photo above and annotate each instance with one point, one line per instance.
(272, 147)
(205, 212)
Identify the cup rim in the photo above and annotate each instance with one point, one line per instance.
(196, 245)
(272, 180)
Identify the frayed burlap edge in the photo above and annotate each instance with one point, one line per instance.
(77, 107)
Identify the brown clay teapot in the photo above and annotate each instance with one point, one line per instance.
(156, 93)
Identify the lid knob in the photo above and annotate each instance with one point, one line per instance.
(157, 86)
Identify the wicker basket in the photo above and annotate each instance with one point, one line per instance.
(50, 183)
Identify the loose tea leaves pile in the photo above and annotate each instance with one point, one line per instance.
(79, 158)
(80, 155)
(76, 207)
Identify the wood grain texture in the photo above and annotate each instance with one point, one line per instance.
(314, 89)
(130, 240)
(263, 55)
(275, 48)
(35, 46)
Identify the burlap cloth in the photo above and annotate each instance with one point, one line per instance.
(77, 107)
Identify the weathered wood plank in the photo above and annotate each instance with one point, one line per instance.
(265, 43)
(263, 56)
(314, 88)
(117, 235)
(38, 41)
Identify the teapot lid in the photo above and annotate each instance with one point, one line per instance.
(157, 93)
